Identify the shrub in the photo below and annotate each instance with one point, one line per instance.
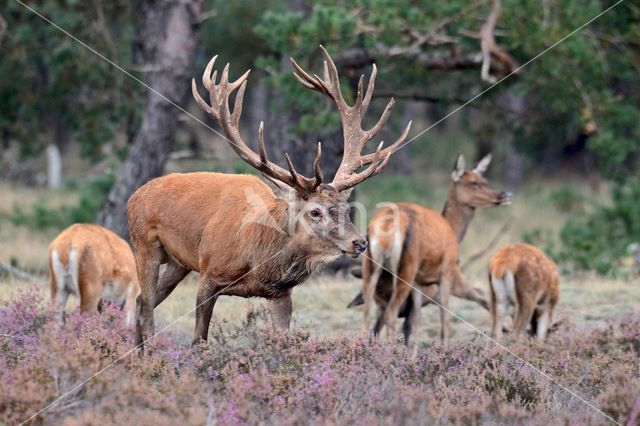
(90, 200)
(600, 240)
(251, 373)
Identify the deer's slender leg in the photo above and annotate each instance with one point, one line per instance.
(524, 312)
(544, 321)
(90, 293)
(370, 276)
(170, 276)
(205, 301)
(462, 288)
(377, 327)
(445, 320)
(148, 258)
(281, 311)
(413, 317)
(403, 283)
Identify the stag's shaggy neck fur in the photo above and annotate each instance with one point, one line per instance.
(286, 251)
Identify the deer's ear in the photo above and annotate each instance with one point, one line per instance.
(282, 191)
(483, 164)
(458, 168)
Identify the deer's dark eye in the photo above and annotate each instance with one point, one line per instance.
(315, 213)
(474, 184)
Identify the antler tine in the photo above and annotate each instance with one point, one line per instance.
(206, 76)
(372, 132)
(263, 152)
(374, 168)
(198, 98)
(219, 109)
(369, 158)
(369, 94)
(358, 104)
(354, 136)
(237, 106)
(316, 167)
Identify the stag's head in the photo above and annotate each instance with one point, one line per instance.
(473, 189)
(315, 208)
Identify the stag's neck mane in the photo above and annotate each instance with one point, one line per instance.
(285, 250)
(456, 213)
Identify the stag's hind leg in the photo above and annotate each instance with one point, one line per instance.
(170, 276)
(205, 301)
(148, 257)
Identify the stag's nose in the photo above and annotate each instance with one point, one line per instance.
(359, 246)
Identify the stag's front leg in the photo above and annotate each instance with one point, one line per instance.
(281, 308)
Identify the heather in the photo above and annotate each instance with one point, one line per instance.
(249, 373)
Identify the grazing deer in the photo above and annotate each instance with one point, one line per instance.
(249, 237)
(523, 276)
(94, 264)
(418, 245)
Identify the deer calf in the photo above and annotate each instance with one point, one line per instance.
(523, 276)
(94, 264)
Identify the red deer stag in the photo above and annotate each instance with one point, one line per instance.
(419, 246)
(92, 263)
(523, 276)
(249, 237)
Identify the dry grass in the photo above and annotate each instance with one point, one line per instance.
(320, 304)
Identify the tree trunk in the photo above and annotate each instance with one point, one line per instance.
(54, 166)
(167, 40)
(513, 171)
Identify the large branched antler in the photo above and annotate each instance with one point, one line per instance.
(229, 121)
(354, 136)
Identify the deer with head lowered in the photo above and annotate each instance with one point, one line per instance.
(523, 276)
(94, 264)
(249, 237)
(412, 244)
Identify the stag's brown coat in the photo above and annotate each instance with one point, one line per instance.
(247, 237)
(94, 264)
(521, 275)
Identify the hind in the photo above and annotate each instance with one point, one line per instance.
(64, 279)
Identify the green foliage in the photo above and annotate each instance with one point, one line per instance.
(90, 200)
(599, 241)
(567, 200)
(49, 80)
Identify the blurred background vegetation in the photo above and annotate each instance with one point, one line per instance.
(564, 130)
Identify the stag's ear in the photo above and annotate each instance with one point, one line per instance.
(483, 164)
(458, 168)
(346, 194)
(282, 191)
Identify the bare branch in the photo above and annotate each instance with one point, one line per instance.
(20, 274)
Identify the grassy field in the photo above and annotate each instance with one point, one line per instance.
(320, 304)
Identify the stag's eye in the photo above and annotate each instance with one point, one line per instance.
(315, 213)
(475, 184)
